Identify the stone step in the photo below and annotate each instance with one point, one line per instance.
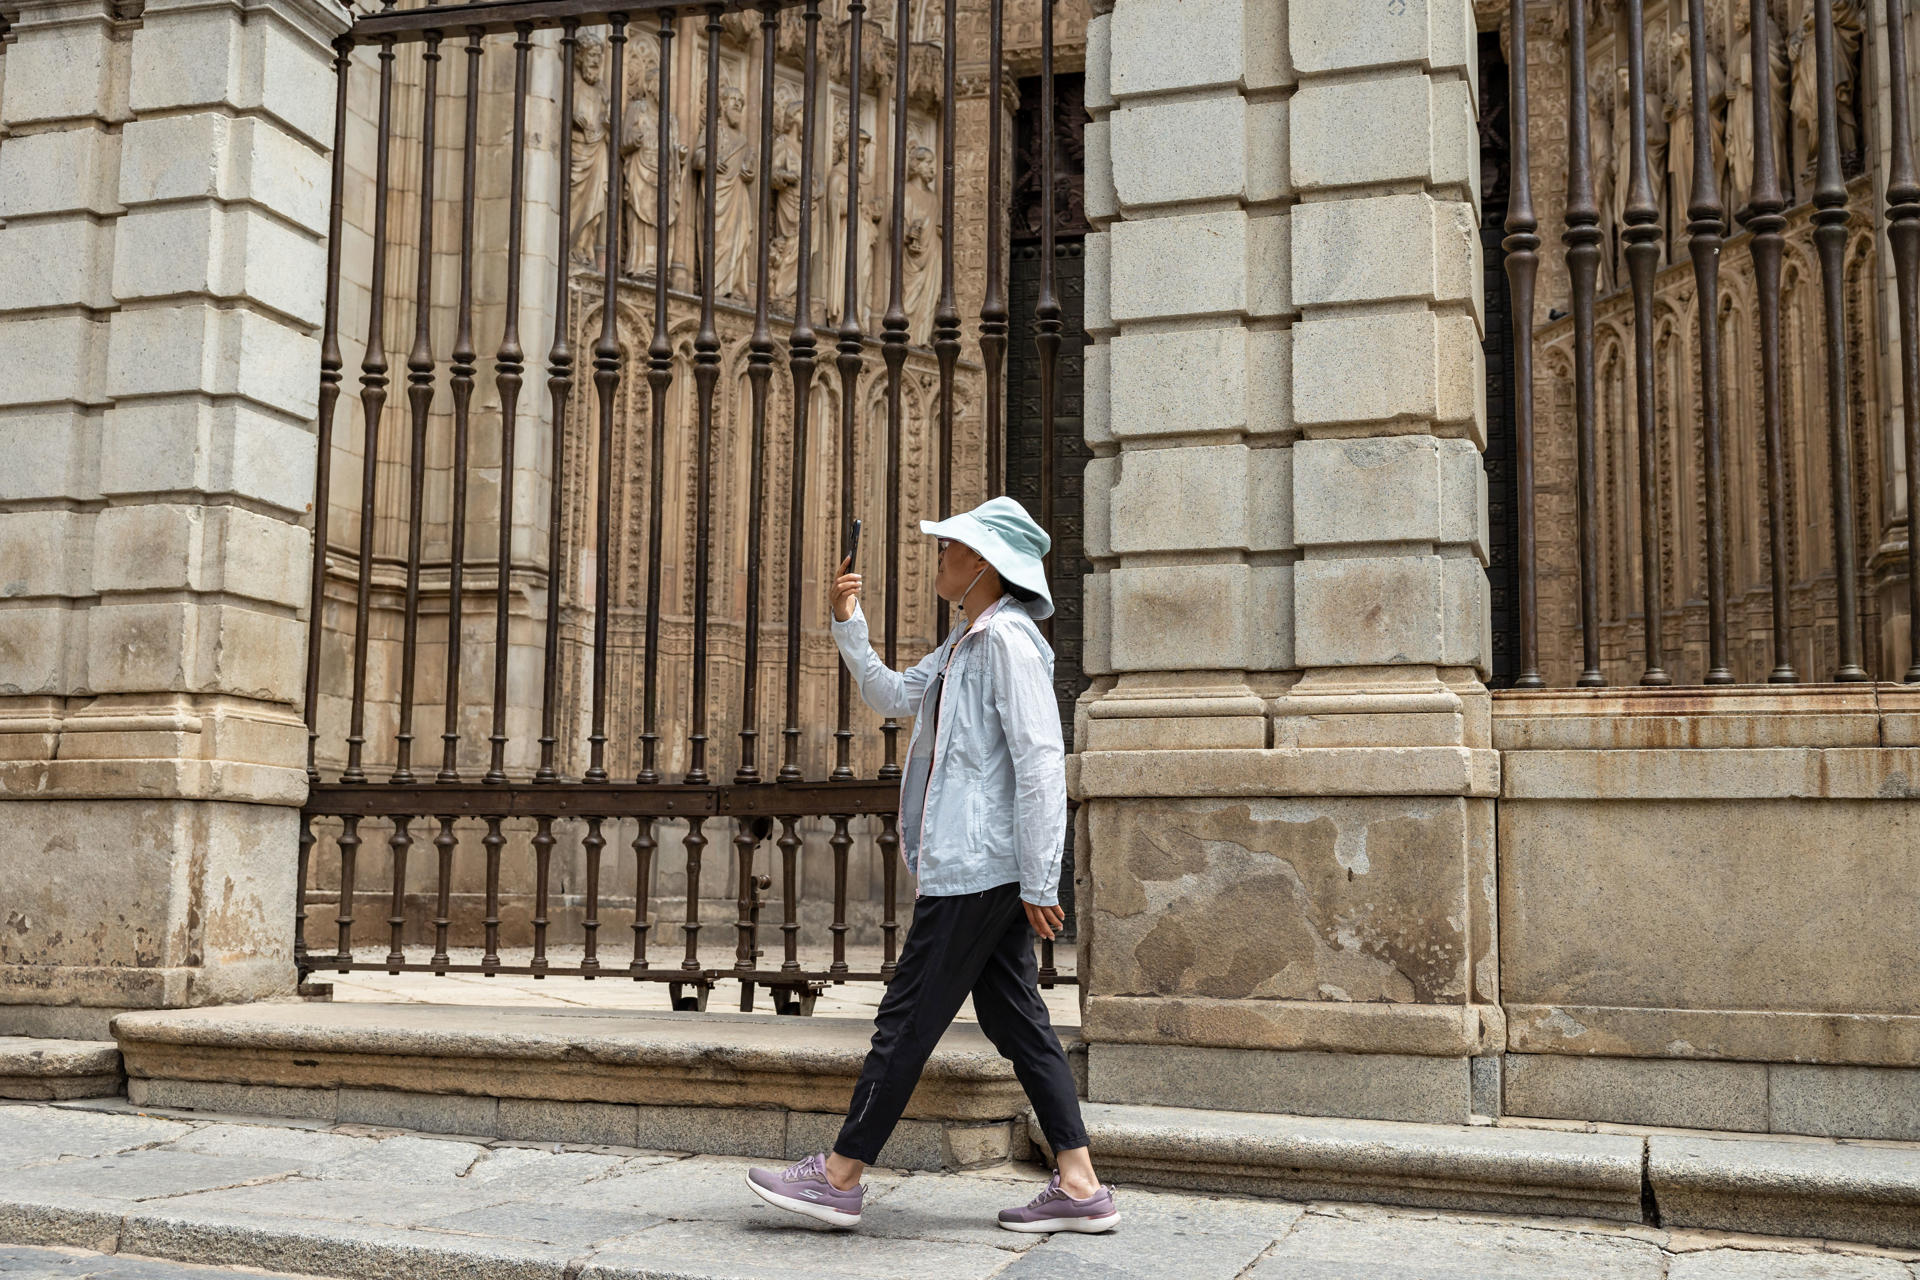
(711, 1083)
(1765, 1185)
(50, 1070)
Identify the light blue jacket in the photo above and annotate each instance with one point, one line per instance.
(985, 804)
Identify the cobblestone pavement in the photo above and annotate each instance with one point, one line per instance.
(116, 1190)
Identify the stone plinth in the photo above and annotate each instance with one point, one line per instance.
(164, 203)
(1706, 907)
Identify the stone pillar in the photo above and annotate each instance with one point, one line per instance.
(164, 186)
(1286, 775)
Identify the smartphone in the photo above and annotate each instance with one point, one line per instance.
(853, 547)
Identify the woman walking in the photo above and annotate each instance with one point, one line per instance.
(982, 818)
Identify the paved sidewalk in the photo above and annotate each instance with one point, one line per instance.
(103, 1189)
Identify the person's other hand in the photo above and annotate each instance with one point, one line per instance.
(1045, 920)
(846, 590)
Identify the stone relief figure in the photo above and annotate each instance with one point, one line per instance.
(875, 262)
(1741, 157)
(730, 167)
(640, 165)
(785, 255)
(1623, 149)
(589, 175)
(1600, 146)
(1804, 107)
(1680, 149)
(921, 245)
(831, 280)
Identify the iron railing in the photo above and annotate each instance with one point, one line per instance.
(351, 804)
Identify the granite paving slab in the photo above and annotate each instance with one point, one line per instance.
(1752, 1264)
(578, 1228)
(1426, 1247)
(27, 1263)
(34, 1134)
(755, 1250)
(142, 1175)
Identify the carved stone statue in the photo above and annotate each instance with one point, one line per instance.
(785, 251)
(1623, 147)
(1680, 150)
(589, 175)
(640, 164)
(1805, 105)
(874, 261)
(1741, 157)
(1600, 144)
(729, 165)
(921, 245)
(830, 283)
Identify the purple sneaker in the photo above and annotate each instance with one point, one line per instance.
(1055, 1210)
(803, 1188)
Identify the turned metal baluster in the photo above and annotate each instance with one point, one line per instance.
(460, 383)
(1903, 235)
(889, 842)
(493, 842)
(993, 307)
(400, 843)
(946, 314)
(444, 843)
(790, 891)
(1582, 238)
(706, 376)
(1522, 245)
(560, 392)
(1706, 229)
(606, 385)
(1830, 217)
(760, 352)
(1642, 236)
(420, 370)
(1766, 219)
(373, 401)
(800, 361)
(1046, 341)
(590, 927)
(330, 366)
(507, 375)
(893, 350)
(659, 379)
(850, 347)
(349, 854)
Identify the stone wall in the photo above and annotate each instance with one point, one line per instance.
(163, 182)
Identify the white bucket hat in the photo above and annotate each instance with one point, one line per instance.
(1007, 538)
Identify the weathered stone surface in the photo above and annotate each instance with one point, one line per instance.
(1843, 1191)
(30, 1135)
(586, 1122)
(574, 1227)
(1220, 1254)
(1295, 1157)
(1702, 906)
(1339, 899)
(1650, 1091)
(720, 1131)
(1746, 1264)
(389, 1061)
(51, 1069)
(132, 1175)
(1728, 1034)
(1736, 716)
(1438, 34)
(1428, 1030)
(1367, 1086)
(1844, 1102)
(237, 1099)
(694, 1249)
(1326, 1247)
(339, 1248)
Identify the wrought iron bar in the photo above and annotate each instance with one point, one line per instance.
(349, 843)
(559, 391)
(706, 376)
(373, 401)
(993, 307)
(543, 842)
(420, 371)
(1522, 245)
(606, 384)
(1830, 218)
(593, 844)
(400, 843)
(493, 842)
(330, 366)
(893, 351)
(850, 348)
(644, 847)
(946, 314)
(1642, 236)
(508, 365)
(1706, 232)
(800, 361)
(760, 353)
(1903, 236)
(659, 380)
(444, 844)
(460, 384)
(1582, 238)
(1046, 311)
(1766, 219)
(789, 893)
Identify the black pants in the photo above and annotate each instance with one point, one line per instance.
(972, 943)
